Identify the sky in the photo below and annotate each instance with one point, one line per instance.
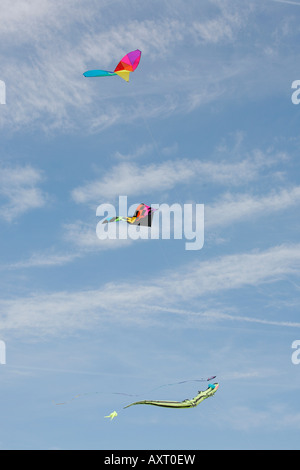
(206, 119)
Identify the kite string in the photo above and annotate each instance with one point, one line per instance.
(134, 395)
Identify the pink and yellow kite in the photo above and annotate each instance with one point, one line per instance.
(126, 65)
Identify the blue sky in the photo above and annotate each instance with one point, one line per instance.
(207, 118)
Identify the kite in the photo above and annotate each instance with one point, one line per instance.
(209, 392)
(142, 216)
(112, 415)
(126, 65)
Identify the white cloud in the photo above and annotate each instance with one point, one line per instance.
(275, 416)
(83, 236)
(19, 188)
(235, 207)
(64, 40)
(230, 208)
(44, 260)
(128, 178)
(61, 312)
(233, 271)
(287, 1)
(35, 19)
(141, 151)
(219, 29)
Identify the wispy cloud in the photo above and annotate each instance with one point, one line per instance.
(128, 178)
(38, 260)
(19, 191)
(59, 312)
(139, 152)
(286, 1)
(275, 416)
(236, 207)
(51, 84)
(229, 208)
(223, 27)
(212, 316)
(234, 271)
(83, 236)
(36, 19)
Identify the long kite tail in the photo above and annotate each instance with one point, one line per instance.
(188, 403)
(164, 403)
